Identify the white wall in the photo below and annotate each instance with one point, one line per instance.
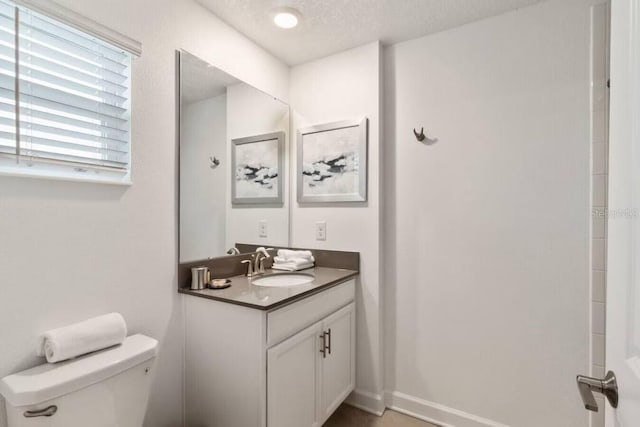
(251, 112)
(487, 231)
(203, 190)
(69, 251)
(340, 87)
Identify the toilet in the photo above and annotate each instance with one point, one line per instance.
(108, 388)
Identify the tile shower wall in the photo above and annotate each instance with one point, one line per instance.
(599, 175)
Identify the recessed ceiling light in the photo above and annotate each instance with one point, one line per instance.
(286, 18)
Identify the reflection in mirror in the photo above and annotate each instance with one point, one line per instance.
(222, 203)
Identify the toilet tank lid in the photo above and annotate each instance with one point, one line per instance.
(48, 381)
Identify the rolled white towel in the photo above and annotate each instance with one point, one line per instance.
(83, 337)
(288, 253)
(290, 266)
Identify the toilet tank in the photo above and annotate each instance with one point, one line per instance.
(106, 388)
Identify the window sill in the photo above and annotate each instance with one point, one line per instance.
(64, 174)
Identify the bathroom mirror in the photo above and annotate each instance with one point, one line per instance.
(233, 163)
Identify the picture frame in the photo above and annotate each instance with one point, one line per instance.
(332, 162)
(257, 169)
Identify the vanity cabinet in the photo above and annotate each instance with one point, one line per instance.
(311, 373)
(291, 366)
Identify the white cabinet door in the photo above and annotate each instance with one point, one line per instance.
(338, 362)
(292, 380)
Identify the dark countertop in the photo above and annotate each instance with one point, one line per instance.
(243, 292)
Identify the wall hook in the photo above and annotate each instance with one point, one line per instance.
(214, 162)
(422, 138)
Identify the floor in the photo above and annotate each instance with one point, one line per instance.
(348, 416)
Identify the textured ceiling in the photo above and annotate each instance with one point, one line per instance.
(200, 81)
(330, 26)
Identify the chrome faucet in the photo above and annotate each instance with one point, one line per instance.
(233, 251)
(260, 255)
(249, 262)
(255, 265)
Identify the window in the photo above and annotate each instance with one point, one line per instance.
(65, 98)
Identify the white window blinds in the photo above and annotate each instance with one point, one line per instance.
(69, 108)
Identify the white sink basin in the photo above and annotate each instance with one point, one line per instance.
(283, 280)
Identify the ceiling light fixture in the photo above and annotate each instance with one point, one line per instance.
(286, 18)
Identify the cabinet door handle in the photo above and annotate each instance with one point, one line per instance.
(329, 334)
(323, 346)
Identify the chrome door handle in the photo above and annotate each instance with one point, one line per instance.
(46, 412)
(607, 386)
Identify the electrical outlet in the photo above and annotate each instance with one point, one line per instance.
(262, 228)
(321, 230)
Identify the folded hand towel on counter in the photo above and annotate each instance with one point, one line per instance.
(296, 260)
(288, 253)
(291, 266)
(290, 260)
(83, 337)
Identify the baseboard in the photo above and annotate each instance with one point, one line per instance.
(369, 402)
(434, 412)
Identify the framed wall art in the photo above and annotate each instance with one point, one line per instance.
(256, 168)
(332, 162)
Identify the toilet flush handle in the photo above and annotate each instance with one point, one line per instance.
(46, 412)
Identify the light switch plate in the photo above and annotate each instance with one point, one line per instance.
(321, 230)
(262, 228)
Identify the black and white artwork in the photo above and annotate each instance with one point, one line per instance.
(256, 172)
(332, 162)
